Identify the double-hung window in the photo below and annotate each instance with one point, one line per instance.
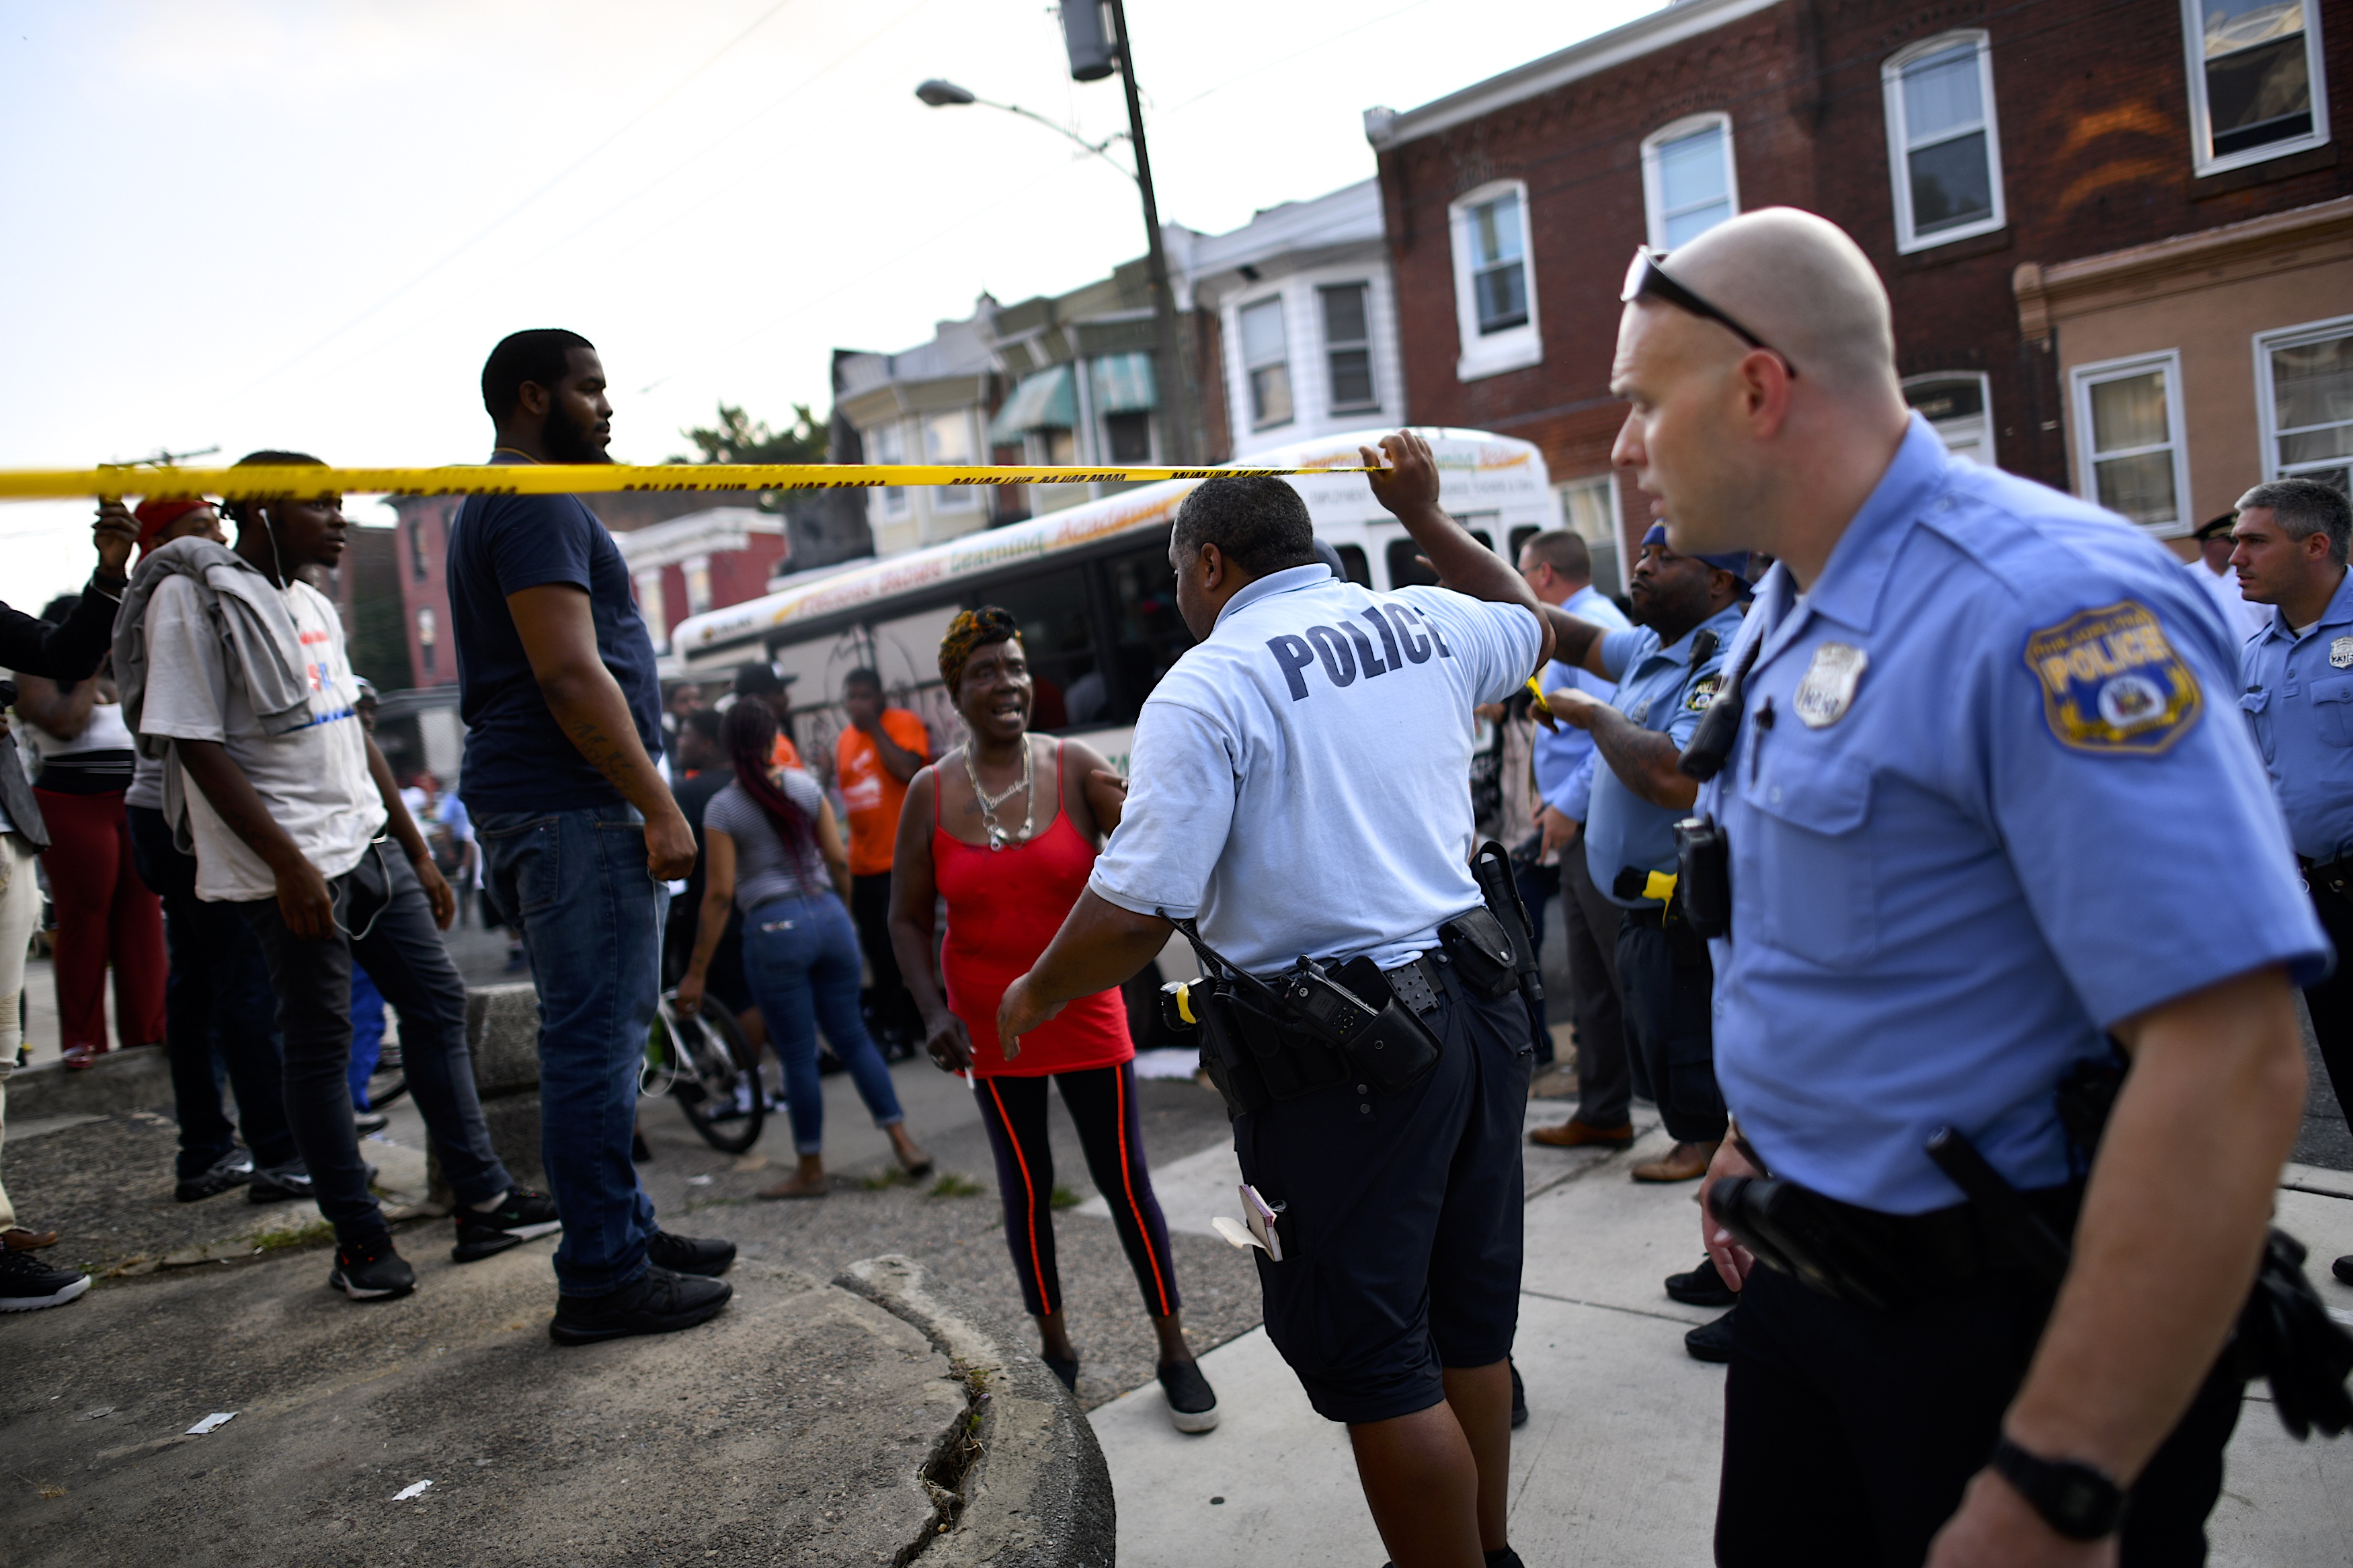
(1688, 182)
(2131, 455)
(1348, 348)
(1266, 361)
(2256, 89)
(2303, 380)
(947, 439)
(887, 443)
(1943, 149)
(1494, 280)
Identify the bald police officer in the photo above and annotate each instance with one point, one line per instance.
(1667, 669)
(1981, 816)
(1298, 790)
(2289, 547)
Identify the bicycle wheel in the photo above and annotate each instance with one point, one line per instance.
(721, 1095)
(388, 1082)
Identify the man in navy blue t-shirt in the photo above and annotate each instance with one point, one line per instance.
(579, 833)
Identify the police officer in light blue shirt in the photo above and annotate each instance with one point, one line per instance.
(1667, 669)
(2289, 545)
(1300, 788)
(1985, 811)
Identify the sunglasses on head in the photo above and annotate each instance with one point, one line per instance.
(1647, 279)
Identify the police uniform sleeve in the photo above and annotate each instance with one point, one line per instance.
(1692, 698)
(1497, 644)
(2134, 808)
(1182, 773)
(1619, 650)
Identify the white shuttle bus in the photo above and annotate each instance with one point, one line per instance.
(1091, 588)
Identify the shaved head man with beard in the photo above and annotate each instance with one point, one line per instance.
(1986, 809)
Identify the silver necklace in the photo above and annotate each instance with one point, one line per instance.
(988, 804)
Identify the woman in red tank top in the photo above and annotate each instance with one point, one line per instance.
(1006, 829)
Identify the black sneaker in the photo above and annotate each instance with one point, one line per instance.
(28, 1285)
(521, 1215)
(278, 1184)
(1711, 1342)
(1519, 1397)
(1192, 1404)
(370, 1271)
(231, 1171)
(2343, 1268)
(367, 1121)
(1703, 1287)
(657, 1301)
(690, 1255)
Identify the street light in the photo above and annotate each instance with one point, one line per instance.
(1095, 50)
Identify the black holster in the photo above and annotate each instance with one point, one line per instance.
(1499, 890)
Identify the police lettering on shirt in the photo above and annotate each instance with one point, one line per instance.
(1346, 651)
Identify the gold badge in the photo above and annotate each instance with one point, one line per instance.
(1827, 690)
(2340, 652)
(2110, 682)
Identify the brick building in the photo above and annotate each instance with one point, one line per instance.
(2117, 236)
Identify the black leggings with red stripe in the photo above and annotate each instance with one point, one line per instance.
(1102, 1102)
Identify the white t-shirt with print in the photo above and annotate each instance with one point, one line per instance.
(314, 779)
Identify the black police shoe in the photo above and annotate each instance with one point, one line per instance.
(230, 1172)
(1519, 1397)
(27, 1284)
(2343, 1268)
(521, 1215)
(1192, 1403)
(690, 1255)
(370, 1271)
(1703, 1287)
(659, 1302)
(1711, 1342)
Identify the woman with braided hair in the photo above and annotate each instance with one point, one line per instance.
(771, 849)
(1005, 829)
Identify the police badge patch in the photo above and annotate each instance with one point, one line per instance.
(1826, 689)
(2110, 682)
(2340, 652)
(1702, 693)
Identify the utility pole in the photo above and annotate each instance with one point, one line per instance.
(1093, 57)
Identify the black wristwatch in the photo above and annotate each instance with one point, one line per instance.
(2077, 1500)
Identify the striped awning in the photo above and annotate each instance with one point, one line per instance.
(1044, 401)
(1124, 383)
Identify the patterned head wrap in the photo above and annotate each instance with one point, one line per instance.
(968, 633)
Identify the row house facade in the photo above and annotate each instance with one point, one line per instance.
(2118, 238)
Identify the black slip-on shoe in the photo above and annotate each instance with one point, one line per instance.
(659, 1302)
(370, 1271)
(1711, 1342)
(1192, 1403)
(1067, 1371)
(1519, 1397)
(1703, 1287)
(690, 1254)
(521, 1215)
(27, 1284)
(2343, 1268)
(230, 1172)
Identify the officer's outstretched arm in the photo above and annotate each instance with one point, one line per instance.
(1408, 488)
(2172, 1227)
(1100, 945)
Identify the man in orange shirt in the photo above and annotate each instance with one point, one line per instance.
(873, 760)
(760, 681)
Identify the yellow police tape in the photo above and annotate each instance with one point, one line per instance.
(259, 482)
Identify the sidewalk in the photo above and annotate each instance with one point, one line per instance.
(1618, 1461)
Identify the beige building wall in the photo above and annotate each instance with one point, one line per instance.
(2205, 297)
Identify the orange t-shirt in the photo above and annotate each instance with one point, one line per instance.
(870, 795)
(787, 754)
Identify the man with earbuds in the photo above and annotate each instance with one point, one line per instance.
(234, 675)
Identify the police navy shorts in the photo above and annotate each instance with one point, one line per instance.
(1403, 1217)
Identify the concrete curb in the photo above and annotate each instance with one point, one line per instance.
(134, 1078)
(1035, 1492)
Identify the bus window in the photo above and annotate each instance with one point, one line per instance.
(1353, 562)
(1406, 570)
(1146, 634)
(1053, 613)
(1520, 537)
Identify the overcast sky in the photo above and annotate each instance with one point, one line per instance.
(302, 223)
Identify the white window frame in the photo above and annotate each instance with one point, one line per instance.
(2082, 378)
(1654, 208)
(1617, 524)
(1899, 160)
(1985, 399)
(1249, 366)
(951, 497)
(1333, 407)
(2201, 139)
(1513, 348)
(2266, 406)
(892, 499)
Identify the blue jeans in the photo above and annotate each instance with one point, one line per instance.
(574, 883)
(801, 957)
